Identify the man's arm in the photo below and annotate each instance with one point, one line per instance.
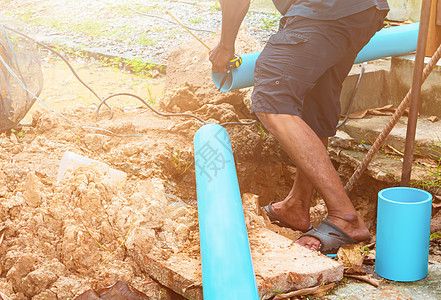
(233, 13)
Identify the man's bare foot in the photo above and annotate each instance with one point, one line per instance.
(353, 225)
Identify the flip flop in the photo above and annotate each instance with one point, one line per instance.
(275, 219)
(331, 237)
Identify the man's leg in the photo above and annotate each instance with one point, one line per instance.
(310, 157)
(294, 209)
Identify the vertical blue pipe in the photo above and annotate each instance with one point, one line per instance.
(227, 269)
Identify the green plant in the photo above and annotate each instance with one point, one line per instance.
(195, 20)
(145, 41)
(261, 131)
(271, 21)
(215, 6)
(18, 133)
(152, 98)
(181, 164)
(365, 249)
(433, 178)
(435, 235)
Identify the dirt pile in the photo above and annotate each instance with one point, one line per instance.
(190, 87)
(64, 238)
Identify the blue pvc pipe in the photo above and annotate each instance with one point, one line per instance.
(386, 42)
(403, 233)
(227, 269)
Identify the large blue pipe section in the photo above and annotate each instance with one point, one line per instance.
(227, 269)
(386, 42)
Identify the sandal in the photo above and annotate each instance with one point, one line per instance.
(331, 237)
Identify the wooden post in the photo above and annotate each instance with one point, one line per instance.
(434, 35)
(438, 13)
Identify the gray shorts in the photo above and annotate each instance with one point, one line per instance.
(302, 67)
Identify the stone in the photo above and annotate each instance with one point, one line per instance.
(279, 264)
(95, 142)
(33, 188)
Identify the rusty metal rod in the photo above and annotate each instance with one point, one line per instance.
(416, 92)
(390, 125)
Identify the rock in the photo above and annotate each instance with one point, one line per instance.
(46, 122)
(182, 99)
(33, 189)
(223, 112)
(67, 287)
(141, 240)
(46, 295)
(22, 266)
(95, 142)
(37, 281)
(6, 287)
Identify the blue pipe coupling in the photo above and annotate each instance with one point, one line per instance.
(403, 233)
(227, 268)
(386, 42)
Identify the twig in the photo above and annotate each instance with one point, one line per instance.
(307, 291)
(366, 278)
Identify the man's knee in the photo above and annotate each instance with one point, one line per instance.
(275, 122)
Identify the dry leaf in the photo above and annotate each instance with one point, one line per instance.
(355, 270)
(436, 203)
(388, 149)
(427, 162)
(315, 291)
(351, 255)
(377, 112)
(358, 114)
(387, 108)
(433, 119)
(323, 290)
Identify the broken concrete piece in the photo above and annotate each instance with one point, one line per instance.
(72, 161)
(279, 264)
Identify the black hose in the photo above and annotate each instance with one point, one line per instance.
(354, 92)
(148, 105)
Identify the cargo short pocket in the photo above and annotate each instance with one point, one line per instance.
(287, 37)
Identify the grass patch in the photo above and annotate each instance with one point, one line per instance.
(433, 179)
(195, 20)
(271, 21)
(145, 41)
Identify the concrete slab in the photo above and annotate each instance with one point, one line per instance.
(370, 92)
(279, 264)
(427, 140)
(399, 81)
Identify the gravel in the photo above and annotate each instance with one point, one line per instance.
(129, 29)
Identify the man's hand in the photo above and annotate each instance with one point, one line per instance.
(233, 13)
(219, 57)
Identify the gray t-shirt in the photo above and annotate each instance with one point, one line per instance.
(326, 9)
